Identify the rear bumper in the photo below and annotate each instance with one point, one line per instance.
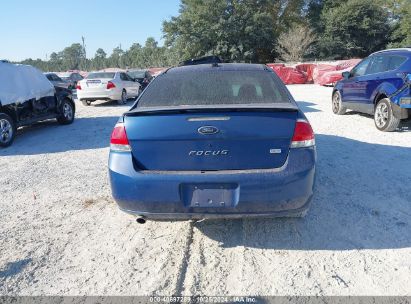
(113, 94)
(286, 191)
(401, 112)
(203, 215)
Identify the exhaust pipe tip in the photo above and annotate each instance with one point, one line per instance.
(141, 220)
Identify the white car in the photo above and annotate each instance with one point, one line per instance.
(107, 86)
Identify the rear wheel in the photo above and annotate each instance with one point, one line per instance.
(123, 99)
(8, 130)
(66, 112)
(384, 117)
(337, 106)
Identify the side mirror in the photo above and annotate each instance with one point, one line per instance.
(346, 75)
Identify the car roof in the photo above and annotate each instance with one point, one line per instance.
(219, 67)
(402, 51)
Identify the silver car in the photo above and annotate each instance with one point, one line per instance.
(116, 86)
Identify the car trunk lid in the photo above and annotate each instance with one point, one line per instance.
(209, 140)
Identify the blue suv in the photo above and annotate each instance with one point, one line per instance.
(379, 85)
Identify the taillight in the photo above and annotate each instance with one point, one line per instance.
(110, 85)
(119, 141)
(78, 87)
(303, 135)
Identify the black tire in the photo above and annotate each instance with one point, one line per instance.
(337, 106)
(8, 130)
(384, 118)
(123, 99)
(86, 103)
(67, 112)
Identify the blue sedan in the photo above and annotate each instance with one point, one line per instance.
(213, 141)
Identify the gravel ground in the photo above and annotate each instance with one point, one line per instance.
(61, 233)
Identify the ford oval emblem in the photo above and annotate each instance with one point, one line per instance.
(208, 130)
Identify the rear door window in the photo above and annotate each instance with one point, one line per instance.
(124, 77)
(128, 77)
(56, 78)
(395, 62)
(379, 64)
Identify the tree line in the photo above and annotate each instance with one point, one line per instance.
(74, 58)
(257, 31)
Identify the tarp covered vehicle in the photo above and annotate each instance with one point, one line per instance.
(26, 97)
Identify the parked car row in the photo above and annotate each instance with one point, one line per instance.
(117, 86)
(210, 140)
(64, 80)
(211, 163)
(28, 96)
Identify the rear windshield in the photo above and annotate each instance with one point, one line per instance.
(100, 75)
(214, 88)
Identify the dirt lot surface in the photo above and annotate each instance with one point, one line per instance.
(61, 233)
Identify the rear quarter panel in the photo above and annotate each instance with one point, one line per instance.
(388, 87)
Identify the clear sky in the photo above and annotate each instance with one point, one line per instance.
(34, 28)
